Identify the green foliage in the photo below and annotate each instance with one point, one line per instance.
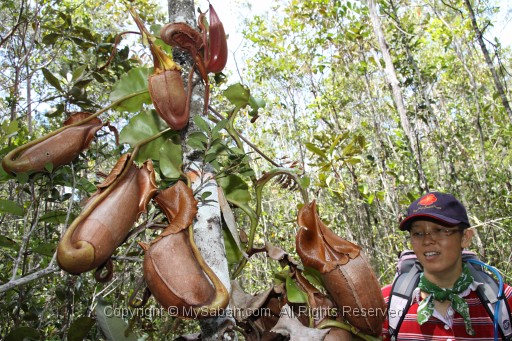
(113, 327)
(80, 328)
(330, 99)
(134, 81)
(23, 333)
(293, 293)
(9, 206)
(240, 96)
(165, 149)
(315, 101)
(236, 190)
(233, 253)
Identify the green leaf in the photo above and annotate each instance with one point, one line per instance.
(86, 185)
(282, 275)
(219, 126)
(9, 206)
(57, 216)
(45, 249)
(139, 128)
(85, 32)
(314, 277)
(353, 160)
(22, 178)
(335, 143)
(8, 243)
(304, 181)
(363, 189)
(197, 135)
(237, 193)
(233, 253)
(78, 72)
(171, 159)
(197, 140)
(80, 328)
(4, 176)
(83, 83)
(201, 124)
(82, 43)
(50, 78)
(134, 81)
(98, 77)
(312, 148)
(49, 167)
(294, 293)
(237, 94)
(150, 150)
(209, 157)
(10, 128)
(196, 144)
(23, 333)
(113, 327)
(235, 189)
(256, 104)
(51, 38)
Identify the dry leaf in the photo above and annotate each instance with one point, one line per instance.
(289, 325)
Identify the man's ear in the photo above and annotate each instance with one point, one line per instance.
(467, 236)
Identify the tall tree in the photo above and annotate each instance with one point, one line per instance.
(490, 64)
(397, 95)
(208, 225)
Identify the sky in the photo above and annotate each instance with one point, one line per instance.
(503, 26)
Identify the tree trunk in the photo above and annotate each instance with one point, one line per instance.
(207, 225)
(490, 65)
(445, 160)
(397, 95)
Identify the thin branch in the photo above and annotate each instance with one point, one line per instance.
(34, 207)
(490, 222)
(15, 27)
(127, 259)
(252, 145)
(29, 278)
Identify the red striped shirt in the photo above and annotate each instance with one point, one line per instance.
(435, 329)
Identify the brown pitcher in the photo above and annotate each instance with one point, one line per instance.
(107, 217)
(174, 270)
(347, 275)
(57, 148)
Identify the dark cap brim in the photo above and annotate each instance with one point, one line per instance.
(405, 225)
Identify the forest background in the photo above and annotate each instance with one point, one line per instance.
(373, 111)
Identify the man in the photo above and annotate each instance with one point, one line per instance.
(445, 305)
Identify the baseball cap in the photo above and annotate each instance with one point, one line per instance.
(441, 207)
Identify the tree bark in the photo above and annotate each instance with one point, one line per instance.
(490, 65)
(397, 95)
(445, 160)
(207, 225)
(52, 268)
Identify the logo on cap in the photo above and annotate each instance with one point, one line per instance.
(428, 199)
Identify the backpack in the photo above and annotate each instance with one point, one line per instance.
(490, 294)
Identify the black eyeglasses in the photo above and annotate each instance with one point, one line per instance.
(436, 234)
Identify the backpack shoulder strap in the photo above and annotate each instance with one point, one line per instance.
(401, 297)
(492, 300)
(407, 280)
